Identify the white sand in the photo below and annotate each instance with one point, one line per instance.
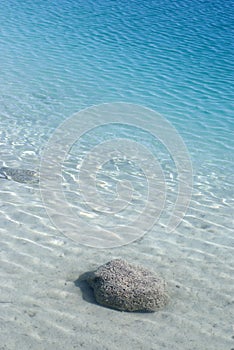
(42, 308)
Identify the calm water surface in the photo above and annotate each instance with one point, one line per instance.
(58, 57)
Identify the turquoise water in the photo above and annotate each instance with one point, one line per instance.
(58, 57)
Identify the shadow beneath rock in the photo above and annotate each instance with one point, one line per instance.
(88, 293)
(86, 290)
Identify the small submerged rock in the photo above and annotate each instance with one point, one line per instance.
(19, 175)
(127, 287)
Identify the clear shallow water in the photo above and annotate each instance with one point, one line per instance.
(59, 57)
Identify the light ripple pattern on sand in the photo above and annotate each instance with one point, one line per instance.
(58, 57)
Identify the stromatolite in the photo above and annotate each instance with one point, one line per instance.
(19, 175)
(127, 287)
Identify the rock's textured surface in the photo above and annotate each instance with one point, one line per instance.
(127, 287)
(19, 175)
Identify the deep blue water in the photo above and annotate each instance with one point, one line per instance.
(58, 57)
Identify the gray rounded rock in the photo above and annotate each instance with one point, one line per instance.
(127, 287)
(19, 175)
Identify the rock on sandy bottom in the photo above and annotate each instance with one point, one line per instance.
(127, 287)
(19, 175)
